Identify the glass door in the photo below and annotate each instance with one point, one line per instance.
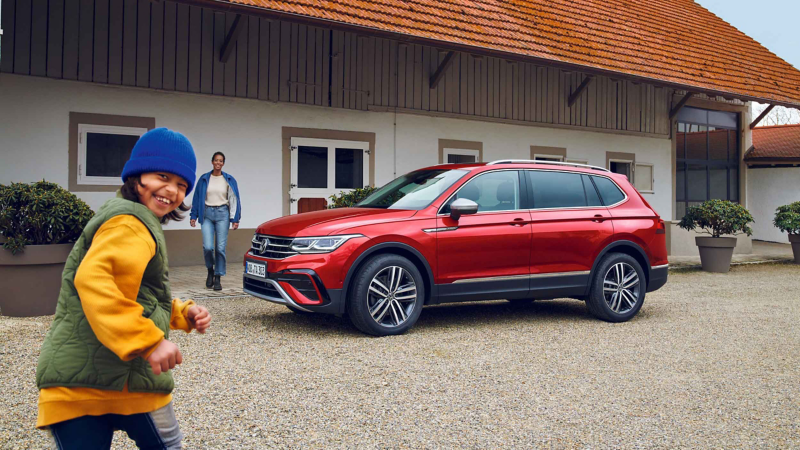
(324, 167)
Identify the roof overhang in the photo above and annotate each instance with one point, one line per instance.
(237, 8)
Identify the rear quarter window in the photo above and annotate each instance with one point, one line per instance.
(609, 191)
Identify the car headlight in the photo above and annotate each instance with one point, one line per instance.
(324, 244)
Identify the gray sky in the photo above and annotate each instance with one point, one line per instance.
(772, 23)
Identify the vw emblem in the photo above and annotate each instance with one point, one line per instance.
(264, 245)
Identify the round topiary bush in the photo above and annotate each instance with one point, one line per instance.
(787, 218)
(717, 218)
(40, 213)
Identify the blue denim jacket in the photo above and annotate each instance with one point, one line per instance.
(199, 199)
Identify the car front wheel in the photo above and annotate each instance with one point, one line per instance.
(387, 296)
(618, 288)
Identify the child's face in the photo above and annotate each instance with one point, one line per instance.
(162, 192)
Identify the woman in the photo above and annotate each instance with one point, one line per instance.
(216, 205)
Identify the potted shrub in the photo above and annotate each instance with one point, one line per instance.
(717, 218)
(787, 219)
(39, 222)
(346, 199)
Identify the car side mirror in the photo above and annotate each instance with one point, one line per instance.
(462, 206)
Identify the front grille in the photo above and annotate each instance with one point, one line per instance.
(262, 287)
(277, 247)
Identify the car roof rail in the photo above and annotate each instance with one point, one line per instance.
(539, 161)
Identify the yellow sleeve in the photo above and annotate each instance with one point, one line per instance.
(180, 319)
(108, 281)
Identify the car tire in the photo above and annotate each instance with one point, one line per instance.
(387, 296)
(607, 299)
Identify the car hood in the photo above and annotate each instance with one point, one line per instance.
(329, 221)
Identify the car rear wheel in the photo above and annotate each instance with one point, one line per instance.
(387, 296)
(618, 288)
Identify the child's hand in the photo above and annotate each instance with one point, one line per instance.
(199, 318)
(165, 357)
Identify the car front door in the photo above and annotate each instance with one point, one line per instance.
(569, 227)
(485, 255)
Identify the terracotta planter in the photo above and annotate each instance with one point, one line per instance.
(795, 240)
(31, 280)
(716, 253)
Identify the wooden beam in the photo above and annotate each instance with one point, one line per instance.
(230, 40)
(761, 117)
(674, 111)
(437, 76)
(584, 84)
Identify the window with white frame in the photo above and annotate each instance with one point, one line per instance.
(544, 157)
(103, 151)
(624, 167)
(461, 156)
(578, 161)
(643, 178)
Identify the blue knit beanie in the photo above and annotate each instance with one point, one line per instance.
(162, 150)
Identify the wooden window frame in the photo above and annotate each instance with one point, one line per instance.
(549, 152)
(459, 145)
(539, 156)
(461, 152)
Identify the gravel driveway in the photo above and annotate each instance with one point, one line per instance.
(712, 360)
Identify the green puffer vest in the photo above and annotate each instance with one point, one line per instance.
(71, 355)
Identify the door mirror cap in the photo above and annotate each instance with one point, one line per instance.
(462, 206)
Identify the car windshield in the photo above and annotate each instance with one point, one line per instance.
(415, 190)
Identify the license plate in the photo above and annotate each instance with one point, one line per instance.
(259, 270)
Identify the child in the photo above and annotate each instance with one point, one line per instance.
(105, 362)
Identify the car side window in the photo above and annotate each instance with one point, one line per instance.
(609, 191)
(556, 189)
(492, 191)
(591, 193)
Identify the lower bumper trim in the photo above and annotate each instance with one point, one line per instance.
(658, 277)
(270, 290)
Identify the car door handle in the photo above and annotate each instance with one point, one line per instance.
(518, 222)
(598, 218)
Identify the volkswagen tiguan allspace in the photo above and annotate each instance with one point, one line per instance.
(508, 229)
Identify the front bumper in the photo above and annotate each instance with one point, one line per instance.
(658, 277)
(271, 289)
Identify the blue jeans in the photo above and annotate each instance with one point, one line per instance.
(156, 430)
(216, 221)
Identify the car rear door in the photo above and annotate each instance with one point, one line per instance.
(569, 228)
(485, 255)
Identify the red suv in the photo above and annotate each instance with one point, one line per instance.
(508, 229)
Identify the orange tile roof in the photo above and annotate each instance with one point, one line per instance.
(781, 141)
(674, 42)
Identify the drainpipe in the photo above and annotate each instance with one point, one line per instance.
(394, 145)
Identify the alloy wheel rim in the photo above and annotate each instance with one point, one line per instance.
(392, 296)
(621, 286)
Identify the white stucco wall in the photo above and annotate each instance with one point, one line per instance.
(34, 125)
(767, 189)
